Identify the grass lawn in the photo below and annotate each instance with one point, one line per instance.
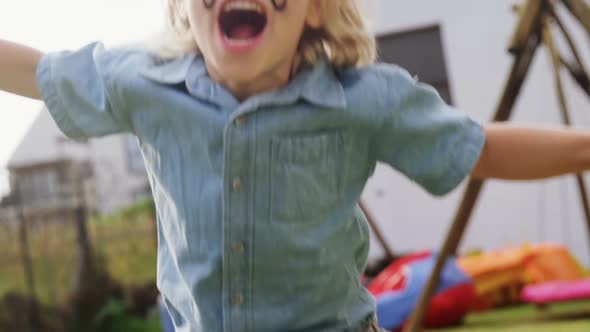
(126, 241)
(567, 317)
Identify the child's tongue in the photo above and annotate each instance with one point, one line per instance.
(243, 31)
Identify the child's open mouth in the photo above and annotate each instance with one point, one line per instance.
(241, 24)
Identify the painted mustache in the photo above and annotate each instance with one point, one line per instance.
(279, 5)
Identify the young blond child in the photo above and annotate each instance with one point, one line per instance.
(260, 122)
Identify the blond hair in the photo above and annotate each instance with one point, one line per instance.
(343, 38)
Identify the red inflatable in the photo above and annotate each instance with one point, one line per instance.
(399, 286)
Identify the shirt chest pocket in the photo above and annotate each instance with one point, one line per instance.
(306, 175)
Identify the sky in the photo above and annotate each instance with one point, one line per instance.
(64, 24)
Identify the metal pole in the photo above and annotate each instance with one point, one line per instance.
(86, 265)
(26, 258)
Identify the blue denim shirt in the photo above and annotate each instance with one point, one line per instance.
(257, 200)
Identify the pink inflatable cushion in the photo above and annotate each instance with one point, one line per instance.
(560, 291)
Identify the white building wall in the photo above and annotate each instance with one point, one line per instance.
(475, 37)
(115, 184)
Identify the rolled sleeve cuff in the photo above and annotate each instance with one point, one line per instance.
(462, 160)
(51, 98)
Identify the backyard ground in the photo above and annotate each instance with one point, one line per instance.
(567, 317)
(126, 242)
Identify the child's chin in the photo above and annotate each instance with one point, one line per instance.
(242, 76)
(241, 65)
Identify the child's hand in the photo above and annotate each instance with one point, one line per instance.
(17, 69)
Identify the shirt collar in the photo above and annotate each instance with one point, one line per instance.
(318, 85)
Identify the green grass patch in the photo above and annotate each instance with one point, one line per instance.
(125, 242)
(565, 317)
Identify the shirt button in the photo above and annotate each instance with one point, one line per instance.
(238, 248)
(237, 299)
(238, 185)
(240, 121)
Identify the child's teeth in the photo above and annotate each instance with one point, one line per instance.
(242, 5)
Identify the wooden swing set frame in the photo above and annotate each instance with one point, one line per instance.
(537, 21)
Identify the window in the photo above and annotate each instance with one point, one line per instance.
(4, 184)
(421, 53)
(38, 187)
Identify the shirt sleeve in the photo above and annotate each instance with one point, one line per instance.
(430, 142)
(76, 89)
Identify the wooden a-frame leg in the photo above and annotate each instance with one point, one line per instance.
(578, 70)
(549, 41)
(518, 74)
(581, 10)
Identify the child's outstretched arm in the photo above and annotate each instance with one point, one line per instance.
(524, 153)
(18, 65)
